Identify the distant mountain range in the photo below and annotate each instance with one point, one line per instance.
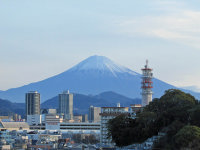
(81, 103)
(9, 108)
(191, 88)
(94, 75)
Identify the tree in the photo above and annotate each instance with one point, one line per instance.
(173, 105)
(118, 129)
(174, 110)
(188, 138)
(194, 116)
(166, 142)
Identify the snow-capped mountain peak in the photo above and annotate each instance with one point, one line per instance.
(101, 63)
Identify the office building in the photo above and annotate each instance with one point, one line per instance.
(66, 105)
(32, 103)
(94, 114)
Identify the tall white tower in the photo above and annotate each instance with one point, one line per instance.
(147, 76)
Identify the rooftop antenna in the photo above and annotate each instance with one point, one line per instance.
(146, 63)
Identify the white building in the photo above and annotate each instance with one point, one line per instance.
(52, 122)
(80, 126)
(34, 119)
(65, 127)
(52, 111)
(108, 113)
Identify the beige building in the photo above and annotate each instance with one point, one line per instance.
(136, 107)
(14, 125)
(94, 114)
(4, 117)
(77, 118)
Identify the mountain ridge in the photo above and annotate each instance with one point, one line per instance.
(83, 102)
(100, 63)
(93, 75)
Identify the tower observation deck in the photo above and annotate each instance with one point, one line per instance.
(147, 76)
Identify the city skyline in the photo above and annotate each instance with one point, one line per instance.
(36, 45)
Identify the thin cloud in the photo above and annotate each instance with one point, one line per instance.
(182, 26)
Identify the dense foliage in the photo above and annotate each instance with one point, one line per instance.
(171, 114)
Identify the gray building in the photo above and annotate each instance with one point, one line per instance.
(32, 103)
(66, 105)
(93, 115)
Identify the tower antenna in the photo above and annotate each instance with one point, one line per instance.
(146, 85)
(147, 62)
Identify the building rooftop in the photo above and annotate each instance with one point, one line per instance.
(8, 125)
(32, 92)
(114, 107)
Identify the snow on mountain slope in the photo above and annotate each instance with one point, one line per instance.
(102, 64)
(94, 75)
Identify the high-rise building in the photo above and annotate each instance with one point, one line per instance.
(32, 103)
(66, 105)
(147, 76)
(94, 114)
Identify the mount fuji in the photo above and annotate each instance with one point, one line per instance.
(94, 75)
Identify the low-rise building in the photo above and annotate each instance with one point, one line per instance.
(14, 125)
(77, 118)
(80, 126)
(134, 109)
(52, 122)
(108, 113)
(34, 119)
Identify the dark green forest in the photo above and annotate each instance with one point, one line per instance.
(176, 114)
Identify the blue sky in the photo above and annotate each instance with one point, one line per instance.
(39, 39)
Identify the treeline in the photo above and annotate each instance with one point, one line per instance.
(176, 114)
